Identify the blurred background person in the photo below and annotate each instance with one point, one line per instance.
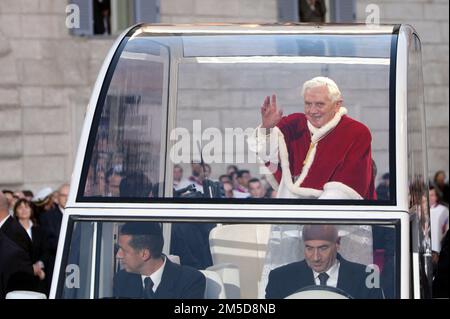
(23, 212)
(9, 194)
(208, 171)
(312, 11)
(18, 195)
(438, 223)
(135, 184)
(102, 16)
(16, 269)
(442, 188)
(256, 188)
(113, 180)
(232, 169)
(382, 189)
(224, 178)
(43, 202)
(178, 181)
(241, 190)
(271, 193)
(28, 194)
(51, 224)
(441, 281)
(228, 189)
(197, 176)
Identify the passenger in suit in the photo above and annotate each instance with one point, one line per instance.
(146, 272)
(322, 266)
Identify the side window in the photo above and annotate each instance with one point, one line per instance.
(127, 156)
(270, 261)
(105, 17)
(417, 159)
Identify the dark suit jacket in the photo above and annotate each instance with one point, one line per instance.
(177, 282)
(14, 231)
(51, 224)
(440, 281)
(288, 279)
(39, 245)
(16, 270)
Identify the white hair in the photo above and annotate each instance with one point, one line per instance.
(333, 91)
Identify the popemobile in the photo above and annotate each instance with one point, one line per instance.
(240, 161)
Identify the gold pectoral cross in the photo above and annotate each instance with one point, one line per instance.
(311, 146)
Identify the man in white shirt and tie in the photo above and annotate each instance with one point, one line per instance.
(147, 273)
(322, 266)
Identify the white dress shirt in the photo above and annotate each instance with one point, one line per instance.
(438, 221)
(29, 230)
(333, 274)
(181, 184)
(155, 277)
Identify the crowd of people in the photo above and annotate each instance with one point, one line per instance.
(29, 229)
(236, 183)
(32, 222)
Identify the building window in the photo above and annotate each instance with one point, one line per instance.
(312, 11)
(102, 16)
(317, 11)
(106, 17)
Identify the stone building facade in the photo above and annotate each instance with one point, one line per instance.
(47, 74)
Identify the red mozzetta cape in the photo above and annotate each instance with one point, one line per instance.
(342, 155)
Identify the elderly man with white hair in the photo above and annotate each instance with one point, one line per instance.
(321, 153)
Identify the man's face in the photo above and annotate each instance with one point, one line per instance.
(130, 258)
(62, 196)
(433, 197)
(228, 189)
(177, 173)
(11, 199)
(319, 109)
(256, 190)
(320, 254)
(440, 179)
(243, 180)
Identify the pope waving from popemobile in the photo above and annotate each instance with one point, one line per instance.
(321, 153)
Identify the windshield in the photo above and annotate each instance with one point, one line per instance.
(244, 118)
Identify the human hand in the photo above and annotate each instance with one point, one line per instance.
(270, 114)
(38, 270)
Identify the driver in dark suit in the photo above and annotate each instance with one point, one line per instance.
(322, 266)
(149, 274)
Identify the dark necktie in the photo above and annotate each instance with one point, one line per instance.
(323, 277)
(148, 291)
